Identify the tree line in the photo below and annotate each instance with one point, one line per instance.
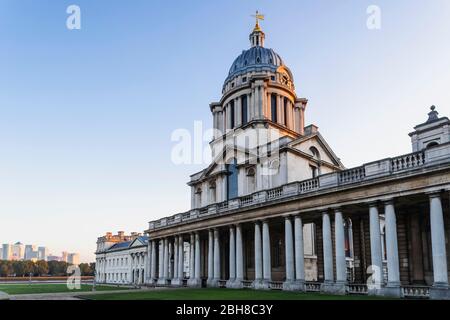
(41, 268)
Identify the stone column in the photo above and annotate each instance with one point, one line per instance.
(197, 257)
(210, 256)
(267, 263)
(239, 258)
(191, 256)
(216, 256)
(258, 256)
(153, 263)
(232, 258)
(160, 262)
(289, 249)
(299, 254)
(175, 258)
(180, 259)
(327, 249)
(341, 264)
(440, 273)
(375, 247)
(166, 259)
(393, 285)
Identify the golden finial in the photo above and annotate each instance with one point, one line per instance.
(258, 17)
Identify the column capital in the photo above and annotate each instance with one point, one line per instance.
(372, 203)
(389, 201)
(434, 194)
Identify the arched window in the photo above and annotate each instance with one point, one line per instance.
(273, 107)
(315, 153)
(432, 144)
(232, 180)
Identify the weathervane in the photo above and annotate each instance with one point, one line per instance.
(258, 17)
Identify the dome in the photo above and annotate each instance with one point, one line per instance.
(255, 59)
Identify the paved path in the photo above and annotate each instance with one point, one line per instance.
(67, 295)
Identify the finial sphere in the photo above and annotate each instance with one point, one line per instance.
(433, 107)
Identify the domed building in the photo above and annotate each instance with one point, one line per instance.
(276, 209)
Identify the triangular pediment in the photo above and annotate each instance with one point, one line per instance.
(316, 140)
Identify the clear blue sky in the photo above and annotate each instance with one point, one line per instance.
(86, 115)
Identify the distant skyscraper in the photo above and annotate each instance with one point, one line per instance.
(30, 251)
(6, 251)
(42, 253)
(18, 251)
(73, 258)
(64, 256)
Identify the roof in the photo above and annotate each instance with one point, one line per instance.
(255, 59)
(128, 244)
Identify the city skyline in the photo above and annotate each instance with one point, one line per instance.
(87, 149)
(20, 251)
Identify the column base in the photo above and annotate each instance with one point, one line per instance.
(391, 291)
(235, 284)
(4, 296)
(213, 283)
(176, 282)
(194, 283)
(375, 290)
(440, 292)
(338, 288)
(294, 285)
(160, 282)
(261, 284)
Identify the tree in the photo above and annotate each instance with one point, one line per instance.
(6, 268)
(85, 269)
(57, 268)
(19, 268)
(41, 268)
(28, 267)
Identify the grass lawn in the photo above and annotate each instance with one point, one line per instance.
(219, 294)
(50, 288)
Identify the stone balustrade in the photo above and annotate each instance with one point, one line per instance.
(365, 173)
(312, 286)
(416, 292)
(360, 289)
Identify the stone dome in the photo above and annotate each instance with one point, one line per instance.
(255, 59)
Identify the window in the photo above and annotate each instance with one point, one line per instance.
(314, 171)
(432, 144)
(244, 110)
(244, 79)
(273, 107)
(272, 78)
(315, 153)
(232, 180)
(198, 197)
(251, 180)
(232, 114)
(212, 192)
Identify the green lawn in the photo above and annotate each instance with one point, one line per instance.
(219, 294)
(49, 288)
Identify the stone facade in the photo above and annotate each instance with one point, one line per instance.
(280, 211)
(122, 259)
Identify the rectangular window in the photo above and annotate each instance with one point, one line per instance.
(286, 111)
(273, 107)
(244, 110)
(232, 114)
(314, 171)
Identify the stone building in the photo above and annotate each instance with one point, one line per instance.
(121, 259)
(276, 209)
